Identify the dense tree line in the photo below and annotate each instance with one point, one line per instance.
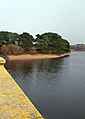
(25, 40)
(45, 43)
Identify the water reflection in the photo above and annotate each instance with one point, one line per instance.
(39, 70)
(55, 86)
(41, 81)
(47, 65)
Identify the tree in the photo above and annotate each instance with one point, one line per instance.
(52, 43)
(26, 41)
(8, 37)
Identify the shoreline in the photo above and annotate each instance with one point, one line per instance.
(35, 57)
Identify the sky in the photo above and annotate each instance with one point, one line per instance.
(65, 17)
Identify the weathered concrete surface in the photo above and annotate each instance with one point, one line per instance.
(14, 104)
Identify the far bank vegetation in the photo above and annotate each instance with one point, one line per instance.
(47, 43)
(78, 47)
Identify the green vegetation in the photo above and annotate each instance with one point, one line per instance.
(46, 43)
(26, 41)
(52, 43)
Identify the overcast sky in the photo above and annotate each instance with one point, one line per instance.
(65, 17)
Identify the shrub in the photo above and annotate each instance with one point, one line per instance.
(11, 49)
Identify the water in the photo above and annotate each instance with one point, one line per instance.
(55, 86)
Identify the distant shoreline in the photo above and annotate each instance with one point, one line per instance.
(33, 57)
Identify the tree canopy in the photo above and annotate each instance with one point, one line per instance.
(26, 41)
(52, 43)
(44, 43)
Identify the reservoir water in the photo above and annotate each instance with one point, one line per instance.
(55, 86)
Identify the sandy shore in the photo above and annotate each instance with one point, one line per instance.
(31, 57)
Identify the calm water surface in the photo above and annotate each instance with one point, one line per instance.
(55, 86)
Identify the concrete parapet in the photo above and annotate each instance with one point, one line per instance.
(2, 61)
(14, 104)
